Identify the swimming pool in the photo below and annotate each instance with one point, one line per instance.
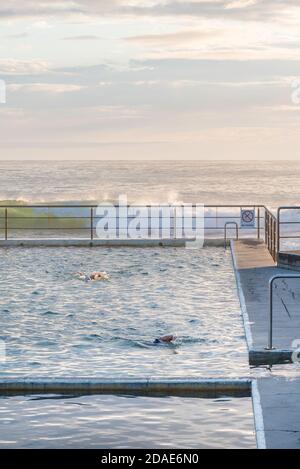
(54, 324)
(110, 421)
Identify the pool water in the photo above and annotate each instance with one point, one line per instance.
(107, 421)
(54, 324)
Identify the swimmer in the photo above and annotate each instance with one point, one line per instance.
(99, 276)
(93, 276)
(165, 339)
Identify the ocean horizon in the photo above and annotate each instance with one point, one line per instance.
(205, 182)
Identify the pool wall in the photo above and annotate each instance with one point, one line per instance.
(95, 385)
(213, 242)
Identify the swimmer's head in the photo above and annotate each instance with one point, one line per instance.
(167, 338)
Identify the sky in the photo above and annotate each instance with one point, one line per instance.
(150, 79)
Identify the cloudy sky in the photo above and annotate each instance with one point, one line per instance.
(151, 79)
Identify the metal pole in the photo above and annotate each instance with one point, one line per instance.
(266, 238)
(278, 229)
(258, 223)
(6, 225)
(175, 222)
(92, 224)
(274, 241)
(270, 342)
(269, 232)
(271, 235)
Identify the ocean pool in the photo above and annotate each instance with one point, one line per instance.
(54, 324)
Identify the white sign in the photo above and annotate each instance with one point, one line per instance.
(248, 217)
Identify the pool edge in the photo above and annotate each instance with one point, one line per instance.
(98, 385)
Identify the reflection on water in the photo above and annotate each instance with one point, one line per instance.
(108, 421)
(55, 324)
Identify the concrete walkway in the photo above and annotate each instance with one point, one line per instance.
(254, 267)
(279, 397)
(280, 402)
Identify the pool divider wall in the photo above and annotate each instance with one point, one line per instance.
(92, 243)
(150, 385)
(214, 242)
(196, 388)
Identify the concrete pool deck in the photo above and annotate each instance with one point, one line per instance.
(254, 267)
(280, 403)
(277, 398)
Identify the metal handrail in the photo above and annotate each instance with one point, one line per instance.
(279, 223)
(225, 231)
(271, 233)
(271, 283)
(128, 205)
(8, 217)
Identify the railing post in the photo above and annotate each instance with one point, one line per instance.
(6, 224)
(274, 235)
(270, 339)
(266, 234)
(258, 223)
(269, 232)
(271, 235)
(92, 224)
(269, 245)
(278, 231)
(175, 223)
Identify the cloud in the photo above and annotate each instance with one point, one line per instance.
(23, 67)
(18, 35)
(87, 37)
(241, 4)
(234, 9)
(115, 112)
(246, 10)
(29, 8)
(54, 88)
(231, 84)
(171, 38)
(282, 108)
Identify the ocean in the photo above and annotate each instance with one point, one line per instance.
(207, 182)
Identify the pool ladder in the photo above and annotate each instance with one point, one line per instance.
(225, 231)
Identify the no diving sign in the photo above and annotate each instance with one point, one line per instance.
(247, 217)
